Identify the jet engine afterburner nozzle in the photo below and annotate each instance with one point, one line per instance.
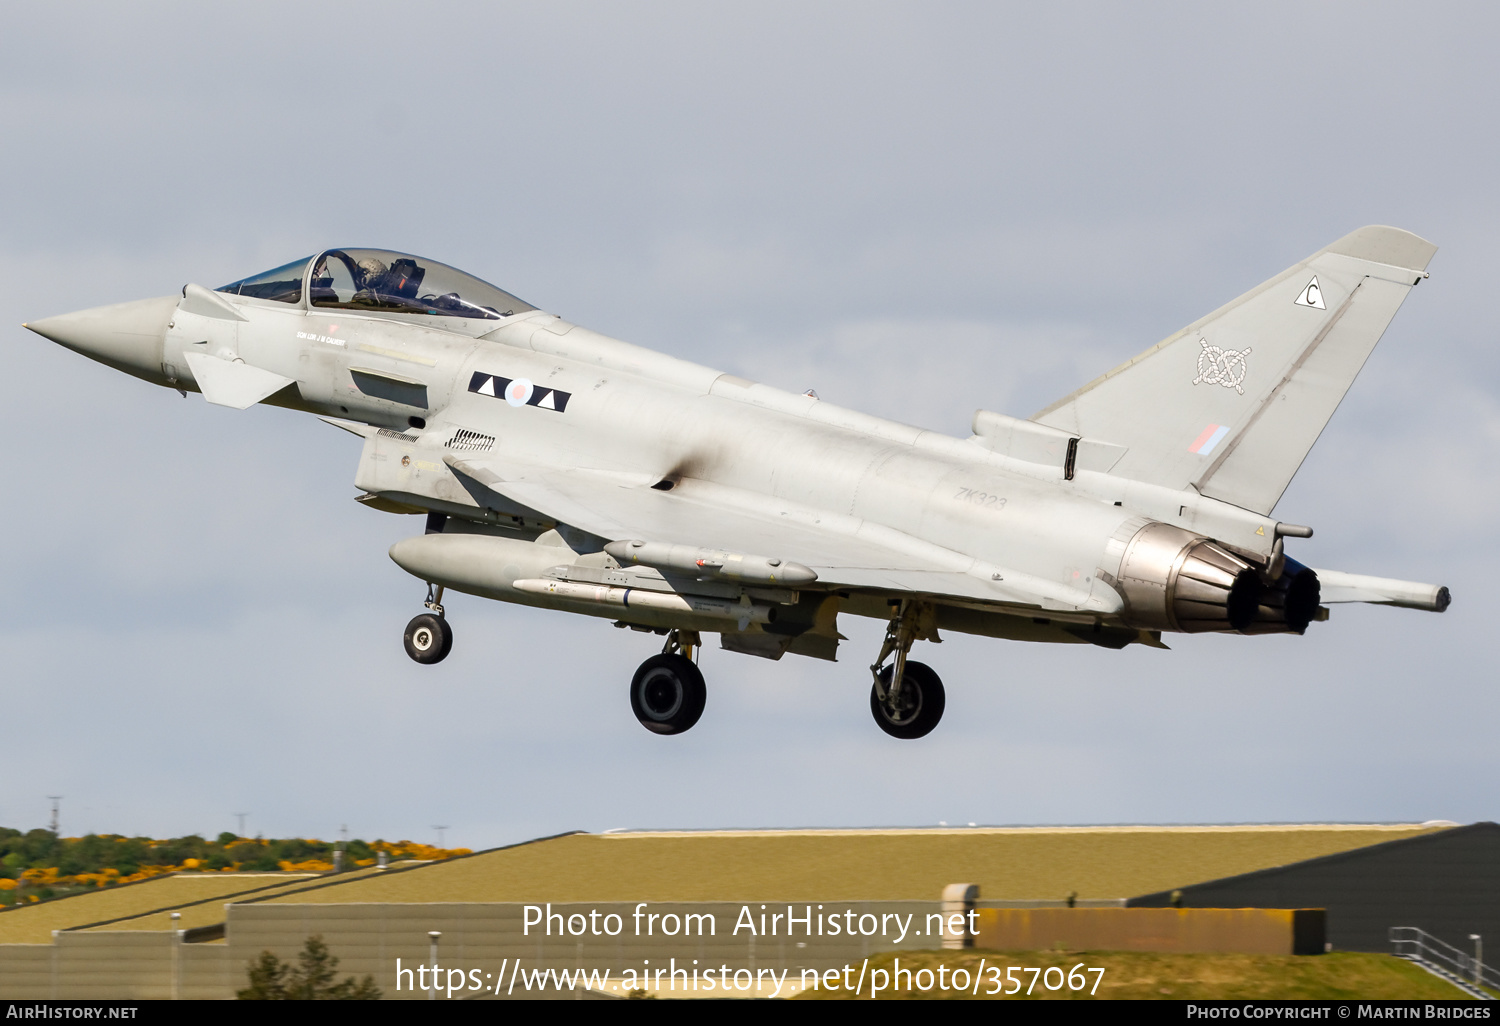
(1289, 603)
(1176, 580)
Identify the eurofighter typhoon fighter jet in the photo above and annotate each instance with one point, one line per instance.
(562, 468)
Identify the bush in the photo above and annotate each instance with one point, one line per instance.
(311, 979)
(68, 865)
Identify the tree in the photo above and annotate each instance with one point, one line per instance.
(267, 979)
(311, 979)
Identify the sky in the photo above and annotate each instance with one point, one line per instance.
(917, 209)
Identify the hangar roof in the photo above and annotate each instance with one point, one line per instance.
(1446, 884)
(1008, 863)
(33, 924)
(208, 913)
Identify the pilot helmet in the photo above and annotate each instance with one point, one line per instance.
(371, 271)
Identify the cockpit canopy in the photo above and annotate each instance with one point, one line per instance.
(378, 280)
(282, 284)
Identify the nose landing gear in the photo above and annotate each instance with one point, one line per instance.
(907, 698)
(667, 693)
(428, 637)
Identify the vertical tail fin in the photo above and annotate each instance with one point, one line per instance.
(1232, 403)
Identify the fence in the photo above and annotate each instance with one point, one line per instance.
(1442, 959)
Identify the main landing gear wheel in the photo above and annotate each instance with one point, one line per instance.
(915, 709)
(428, 638)
(667, 694)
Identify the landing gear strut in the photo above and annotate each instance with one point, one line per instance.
(907, 698)
(428, 637)
(667, 693)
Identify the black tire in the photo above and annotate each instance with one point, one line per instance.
(428, 638)
(667, 694)
(922, 702)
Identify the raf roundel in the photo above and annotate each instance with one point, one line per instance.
(518, 392)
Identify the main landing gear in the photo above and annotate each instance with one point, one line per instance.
(667, 693)
(428, 637)
(907, 698)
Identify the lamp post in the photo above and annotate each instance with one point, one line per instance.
(176, 955)
(432, 936)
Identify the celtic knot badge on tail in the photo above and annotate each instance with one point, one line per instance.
(1221, 366)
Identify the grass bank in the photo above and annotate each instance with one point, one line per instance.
(1339, 975)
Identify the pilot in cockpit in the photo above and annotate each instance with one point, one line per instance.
(381, 283)
(378, 280)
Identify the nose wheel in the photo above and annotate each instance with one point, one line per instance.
(428, 637)
(667, 693)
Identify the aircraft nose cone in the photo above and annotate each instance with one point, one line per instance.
(126, 336)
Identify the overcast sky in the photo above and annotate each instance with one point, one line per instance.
(917, 209)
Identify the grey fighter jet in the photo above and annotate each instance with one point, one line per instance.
(562, 468)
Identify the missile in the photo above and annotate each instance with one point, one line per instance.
(744, 611)
(711, 564)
